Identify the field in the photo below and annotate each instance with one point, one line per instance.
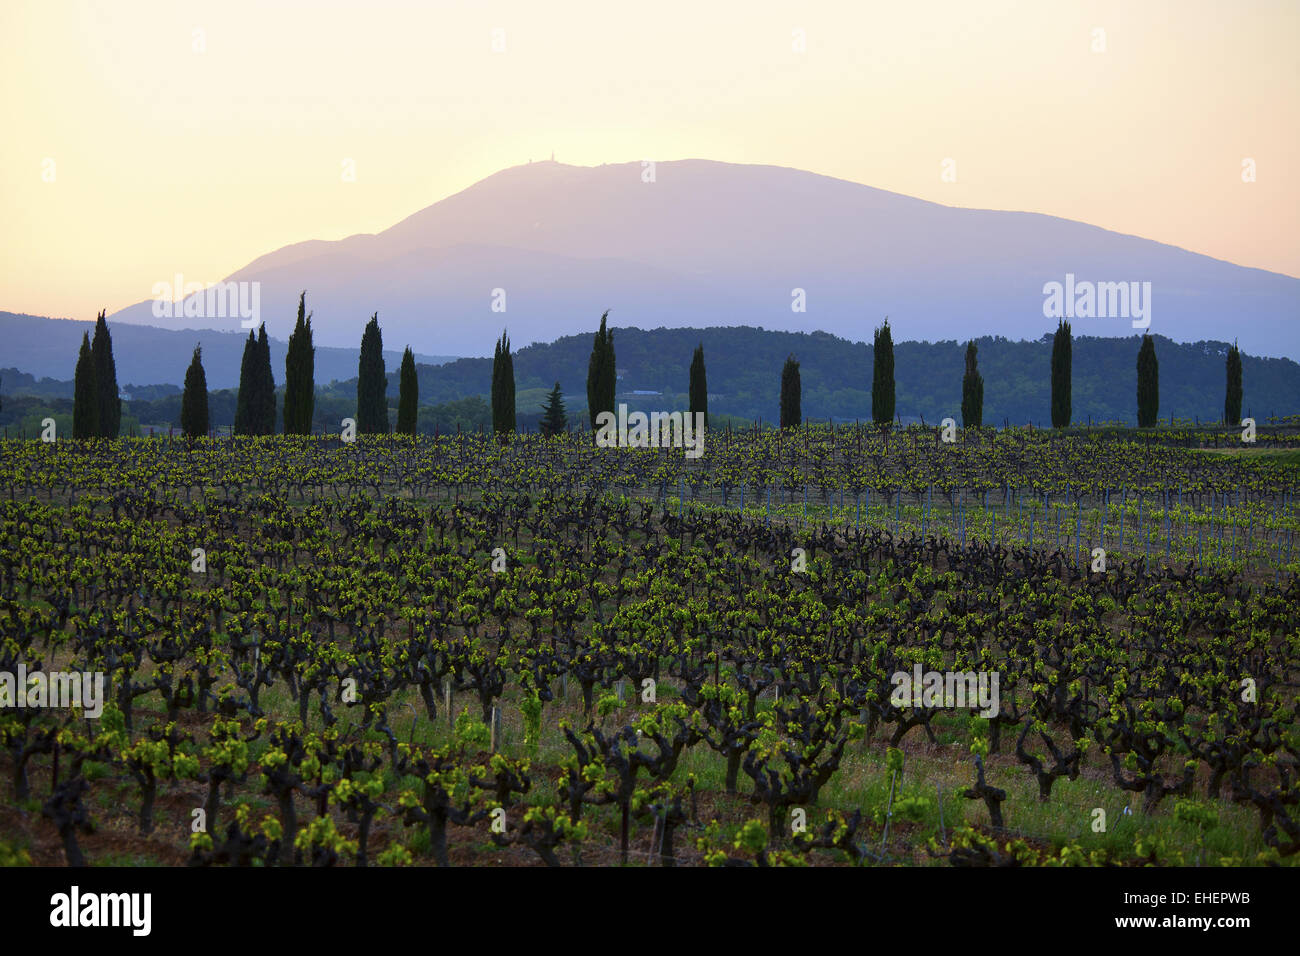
(467, 652)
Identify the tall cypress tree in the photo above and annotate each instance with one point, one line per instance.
(699, 386)
(372, 382)
(1148, 396)
(882, 379)
(791, 398)
(408, 395)
(503, 388)
(300, 375)
(246, 422)
(972, 391)
(1061, 361)
(110, 405)
(554, 421)
(85, 402)
(194, 400)
(1232, 398)
(264, 404)
(602, 376)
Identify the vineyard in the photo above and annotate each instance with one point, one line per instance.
(468, 651)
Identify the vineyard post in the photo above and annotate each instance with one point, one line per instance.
(496, 727)
(769, 505)
(1105, 508)
(889, 810)
(1169, 529)
(1250, 535)
(446, 700)
(1221, 516)
(1123, 498)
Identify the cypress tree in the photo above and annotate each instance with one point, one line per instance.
(194, 401)
(1232, 399)
(972, 391)
(85, 403)
(602, 376)
(408, 398)
(1148, 396)
(264, 404)
(882, 379)
(109, 415)
(791, 413)
(1061, 360)
(699, 387)
(554, 421)
(246, 422)
(503, 388)
(372, 382)
(299, 375)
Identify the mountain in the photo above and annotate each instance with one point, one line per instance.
(47, 348)
(708, 243)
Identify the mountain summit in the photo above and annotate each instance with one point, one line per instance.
(702, 243)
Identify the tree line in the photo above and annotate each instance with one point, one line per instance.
(97, 406)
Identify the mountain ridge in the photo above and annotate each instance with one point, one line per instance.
(708, 240)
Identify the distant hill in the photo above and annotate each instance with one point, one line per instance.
(544, 248)
(744, 371)
(147, 355)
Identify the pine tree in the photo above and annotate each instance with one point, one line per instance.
(85, 403)
(882, 379)
(408, 398)
(699, 386)
(264, 405)
(554, 421)
(1061, 361)
(503, 388)
(1148, 396)
(109, 415)
(1232, 399)
(972, 391)
(602, 375)
(372, 382)
(245, 416)
(791, 413)
(300, 375)
(194, 400)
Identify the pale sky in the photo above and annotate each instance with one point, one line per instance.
(142, 139)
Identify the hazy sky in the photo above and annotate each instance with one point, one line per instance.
(142, 139)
